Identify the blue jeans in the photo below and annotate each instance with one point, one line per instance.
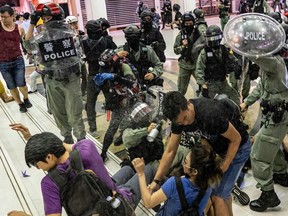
(127, 178)
(231, 175)
(14, 73)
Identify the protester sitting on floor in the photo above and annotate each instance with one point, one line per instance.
(202, 171)
(46, 151)
(3, 95)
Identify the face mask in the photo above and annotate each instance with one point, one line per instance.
(133, 43)
(214, 44)
(189, 29)
(147, 25)
(94, 35)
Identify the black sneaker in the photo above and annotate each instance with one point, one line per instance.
(268, 199)
(23, 108)
(118, 140)
(281, 179)
(104, 157)
(241, 196)
(27, 103)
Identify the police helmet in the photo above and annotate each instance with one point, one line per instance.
(50, 9)
(199, 13)
(94, 25)
(141, 113)
(71, 19)
(132, 31)
(176, 7)
(104, 23)
(276, 16)
(214, 36)
(187, 17)
(146, 13)
(106, 58)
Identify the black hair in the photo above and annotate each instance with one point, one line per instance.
(26, 15)
(18, 16)
(8, 9)
(207, 163)
(173, 103)
(40, 145)
(153, 10)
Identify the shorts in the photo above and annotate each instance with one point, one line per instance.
(14, 73)
(231, 175)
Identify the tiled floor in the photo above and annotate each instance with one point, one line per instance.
(170, 76)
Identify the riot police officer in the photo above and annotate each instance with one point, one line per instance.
(73, 22)
(93, 45)
(200, 20)
(185, 45)
(143, 59)
(213, 64)
(150, 35)
(224, 12)
(60, 58)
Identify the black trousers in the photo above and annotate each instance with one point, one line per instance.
(92, 94)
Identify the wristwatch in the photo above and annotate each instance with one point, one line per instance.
(157, 181)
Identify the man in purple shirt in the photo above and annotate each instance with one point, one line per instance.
(46, 150)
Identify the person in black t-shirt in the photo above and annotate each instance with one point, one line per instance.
(219, 122)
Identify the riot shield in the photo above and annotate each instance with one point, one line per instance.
(254, 35)
(56, 46)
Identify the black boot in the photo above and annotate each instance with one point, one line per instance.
(266, 200)
(281, 179)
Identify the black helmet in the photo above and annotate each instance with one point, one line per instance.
(146, 13)
(187, 17)
(199, 13)
(214, 36)
(132, 31)
(106, 58)
(104, 23)
(140, 3)
(94, 25)
(176, 7)
(276, 16)
(50, 9)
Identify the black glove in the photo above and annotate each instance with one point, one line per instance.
(205, 93)
(34, 18)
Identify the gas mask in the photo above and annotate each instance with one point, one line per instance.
(94, 35)
(133, 42)
(147, 23)
(214, 41)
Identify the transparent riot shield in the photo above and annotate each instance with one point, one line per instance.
(56, 46)
(254, 35)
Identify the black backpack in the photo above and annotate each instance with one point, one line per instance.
(84, 194)
(186, 210)
(259, 7)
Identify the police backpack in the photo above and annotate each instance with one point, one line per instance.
(85, 194)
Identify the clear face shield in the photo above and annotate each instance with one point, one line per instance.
(214, 41)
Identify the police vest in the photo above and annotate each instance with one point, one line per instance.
(215, 68)
(142, 64)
